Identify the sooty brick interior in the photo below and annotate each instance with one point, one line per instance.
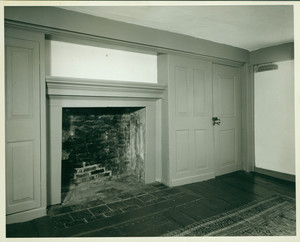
(102, 143)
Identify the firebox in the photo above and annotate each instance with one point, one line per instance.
(102, 144)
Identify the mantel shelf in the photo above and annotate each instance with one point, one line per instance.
(67, 86)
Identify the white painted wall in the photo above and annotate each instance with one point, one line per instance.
(82, 61)
(274, 119)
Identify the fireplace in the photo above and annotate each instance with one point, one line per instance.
(102, 144)
(102, 130)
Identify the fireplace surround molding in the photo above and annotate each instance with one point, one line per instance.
(68, 86)
(69, 92)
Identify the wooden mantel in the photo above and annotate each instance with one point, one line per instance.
(68, 86)
(75, 93)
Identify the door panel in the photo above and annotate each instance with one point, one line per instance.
(227, 147)
(199, 101)
(19, 64)
(181, 81)
(227, 107)
(182, 150)
(191, 131)
(21, 159)
(22, 125)
(201, 155)
(227, 97)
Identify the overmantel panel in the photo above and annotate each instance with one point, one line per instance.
(79, 23)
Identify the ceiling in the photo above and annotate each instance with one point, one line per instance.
(247, 27)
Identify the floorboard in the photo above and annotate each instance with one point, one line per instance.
(154, 211)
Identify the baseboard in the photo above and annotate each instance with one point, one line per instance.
(167, 183)
(192, 179)
(276, 174)
(26, 216)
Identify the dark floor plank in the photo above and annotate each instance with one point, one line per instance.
(230, 193)
(204, 189)
(217, 205)
(197, 211)
(274, 184)
(205, 208)
(140, 226)
(159, 230)
(246, 186)
(17, 230)
(43, 226)
(179, 217)
(109, 232)
(153, 225)
(216, 188)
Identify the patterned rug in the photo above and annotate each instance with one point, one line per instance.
(273, 216)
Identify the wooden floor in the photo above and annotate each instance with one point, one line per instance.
(167, 210)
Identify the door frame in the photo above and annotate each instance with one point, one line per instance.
(248, 152)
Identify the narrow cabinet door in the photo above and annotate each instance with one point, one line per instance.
(191, 131)
(227, 114)
(22, 125)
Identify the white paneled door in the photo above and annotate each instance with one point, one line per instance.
(227, 112)
(22, 125)
(191, 136)
(199, 91)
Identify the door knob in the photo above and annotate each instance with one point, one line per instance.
(216, 120)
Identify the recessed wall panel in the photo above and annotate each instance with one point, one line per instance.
(182, 150)
(181, 91)
(22, 167)
(199, 92)
(227, 147)
(227, 97)
(201, 149)
(20, 86)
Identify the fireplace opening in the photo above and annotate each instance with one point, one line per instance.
(101, 148)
